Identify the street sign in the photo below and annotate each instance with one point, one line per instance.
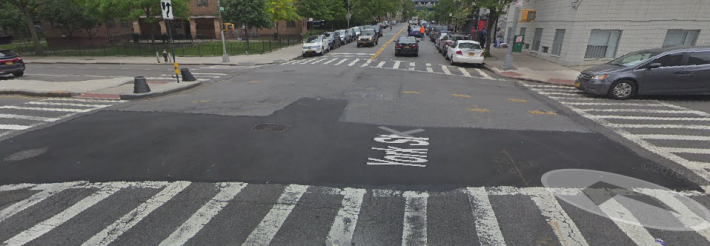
(167, 7)
(518, 3)
(221, 9)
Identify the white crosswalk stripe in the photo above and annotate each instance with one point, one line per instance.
(396, 64)
(367, 63)
(411, 66)
(353, 62)
(344, 221)
(380, 65)
(341, 61)
(650, 124)
(445, 69)
(464, 72)
(330, 61)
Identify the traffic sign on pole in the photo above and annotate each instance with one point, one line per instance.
(167, 7)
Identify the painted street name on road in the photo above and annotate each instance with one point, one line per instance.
(401, 156)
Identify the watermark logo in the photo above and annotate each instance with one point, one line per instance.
(627, 200)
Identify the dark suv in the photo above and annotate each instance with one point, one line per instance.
(675, 70)
(11, 63)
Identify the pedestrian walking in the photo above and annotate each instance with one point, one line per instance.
(482, 38)
(421, 32)
(409, 29)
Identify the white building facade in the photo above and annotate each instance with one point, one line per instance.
(586, 32)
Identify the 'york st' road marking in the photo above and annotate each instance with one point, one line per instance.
(414, 157)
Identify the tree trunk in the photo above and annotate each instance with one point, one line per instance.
(33, 32)
(491, 25)
(246, 32)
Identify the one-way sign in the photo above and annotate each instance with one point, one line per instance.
(167, 8)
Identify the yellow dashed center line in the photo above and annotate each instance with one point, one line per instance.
(385, 45)
(480, 110)
(543, 112)
(461, 95)
(411, 92)
(255, 81)
(517, 100)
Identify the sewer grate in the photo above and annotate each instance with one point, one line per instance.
(269, 127)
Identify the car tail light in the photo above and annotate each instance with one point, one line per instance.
(482, 54)
(459, 52)
(399, 46)
(415, 45)
(16, 59)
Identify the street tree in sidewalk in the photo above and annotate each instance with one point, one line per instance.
(496, 7)
(315, 9)
(408, 9)
(338, 12)
(28, 8)
(247, 13)
(71, 16)
(150, 9)
(12, 21)
(282, 10)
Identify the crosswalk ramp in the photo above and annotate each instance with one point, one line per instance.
(200, 76)
(233, 213)
(677, 133)
(394, 64)
(31, 114)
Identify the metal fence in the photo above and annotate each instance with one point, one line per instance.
(194, 48)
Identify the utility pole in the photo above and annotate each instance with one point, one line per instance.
(349, 14)
(225, 57)
(508, 64)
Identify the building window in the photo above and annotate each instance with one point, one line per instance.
(603, 44)
(699, 58)
(110, 23)
(536, 39)
(124, 24)
(202, 3)
(676, 37)
(290, 24)
(523, 30)
(557, 43)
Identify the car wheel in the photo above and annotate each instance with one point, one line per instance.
(395, 54)
(19, 74)
(358, 45)
(416, 54)
(623, 89)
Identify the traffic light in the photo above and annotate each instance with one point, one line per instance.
(528, 15)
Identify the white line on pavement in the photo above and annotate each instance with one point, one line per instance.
(396, 64)
(379, 65)
(48, 109)
(269, 226)
(13, 187)
(622, 117)
(341, 61)
(484, 74)
(674, 137)
(487, 227)
(662, 126)
(14, 127)
(549, 86)
(414, 229)
(366, 63)
(210, 74)
(560, 93)
(563, 226)
(125, 223)
(69, 104)
(637, 233)
(328, 62)
(429, 69)
(82, 100)
(346, 220)
(625, 110)
(445, 69)
(47, 190)
(411, 66)
(612, 104)
(27, 117)
(688, 150)
(319, 61)
(683, 214)
(203, 215)
(428, 64)
(464, 72)
(353, 63)
(64, 216)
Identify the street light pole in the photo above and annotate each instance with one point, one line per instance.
(225, 57)
(348, 14)
(508, 64)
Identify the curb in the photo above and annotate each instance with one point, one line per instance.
(157, 94)
(39, 94)
(497, 71)
(166, 64)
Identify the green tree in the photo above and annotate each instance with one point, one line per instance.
(12, 20)
(316, 9)
(248, 13)
(496, 8)
(28, 9)
(282, 10)
(408, 9)
(134, 9)
(337, 12)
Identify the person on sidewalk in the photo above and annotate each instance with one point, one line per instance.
(409, 29)
(482, 38)
(421, 32)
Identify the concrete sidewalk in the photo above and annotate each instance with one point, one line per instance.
(530, 68)
(277, 56)
(58, 89)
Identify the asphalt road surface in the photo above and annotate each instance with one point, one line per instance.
(355, 147)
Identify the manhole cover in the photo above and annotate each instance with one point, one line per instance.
(268, 127)
(25, 154)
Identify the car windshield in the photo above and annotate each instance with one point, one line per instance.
(473, 46)
(633, 59)
(313, 39)
(368, 32)
(7, 53)
(407, 40)
(328, 34)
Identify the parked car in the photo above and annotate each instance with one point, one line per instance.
(439, 42)
(450, 39)
(406, 46)
(356, 30)
(465, 51)
(378, 30)
(415, 32)
(333, 40)
(316, 44)
(11, 63)
(439, 30)
(344, 36)
(367, 37)
(674, 70)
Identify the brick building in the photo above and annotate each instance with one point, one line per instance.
(577, 32)
(203, 22)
